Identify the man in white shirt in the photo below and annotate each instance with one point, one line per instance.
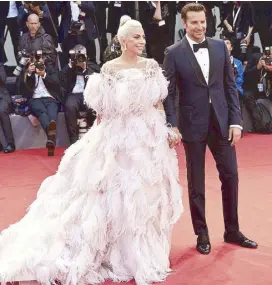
(73, 80)
(210, 115)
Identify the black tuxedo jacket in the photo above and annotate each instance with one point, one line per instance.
(182, 69)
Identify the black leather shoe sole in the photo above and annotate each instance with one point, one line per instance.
(50, 145)
(203, 248)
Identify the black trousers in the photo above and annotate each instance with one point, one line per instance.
(5, 121)
(226, 163)
(74, 104)
(13, 27)
(45, 109)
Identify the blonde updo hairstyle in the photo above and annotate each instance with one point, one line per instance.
(126, 23)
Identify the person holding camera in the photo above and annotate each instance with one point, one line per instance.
(39, 81)
(5, 107)
(239, 21)
(83, 29)
(47, 17)
(258, 76)
(40, 85)
(73, 79)
(36, 39)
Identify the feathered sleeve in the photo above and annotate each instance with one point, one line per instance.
(93, 93)
(161, 80)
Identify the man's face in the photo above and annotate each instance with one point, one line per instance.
(229, 45)
(33, 25)
(195, 25)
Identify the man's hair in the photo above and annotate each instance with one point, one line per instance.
(191, 7)
(228, 37)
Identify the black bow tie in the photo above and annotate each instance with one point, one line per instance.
(201, 45)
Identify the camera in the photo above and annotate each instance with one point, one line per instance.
(38, 55)
(267, 56)
(243, 47)
(24, 58)
(76, 57)
(75, 27)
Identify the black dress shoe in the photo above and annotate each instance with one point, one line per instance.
(203, 244)
(239, 239)
(50, 145)
(51, 134)
(9, 148)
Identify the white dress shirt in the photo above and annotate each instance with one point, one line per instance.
(75, 11)
(203, 59)
(80, 84)
(13, 11)
(41, 91)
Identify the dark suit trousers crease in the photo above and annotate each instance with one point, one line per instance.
(45, 109)
(5, 121)
(226, 163)
(14, 33)
(75, 104)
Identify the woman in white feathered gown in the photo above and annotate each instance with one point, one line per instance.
(108, 211)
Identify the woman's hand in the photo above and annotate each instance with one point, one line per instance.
(174, 137)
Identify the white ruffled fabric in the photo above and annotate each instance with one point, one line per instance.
(108, 211)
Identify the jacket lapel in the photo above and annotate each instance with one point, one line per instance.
(212, 56)
(190, 54)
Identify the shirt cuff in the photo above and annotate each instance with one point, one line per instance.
(236, 126)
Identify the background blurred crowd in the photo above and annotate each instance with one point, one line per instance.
(54, 44)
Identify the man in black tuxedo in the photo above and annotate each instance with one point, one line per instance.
(209, 115)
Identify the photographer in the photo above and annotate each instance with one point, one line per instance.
(238, 19)
(258, 81)
(73, 78)
(41, 9)
(40, 85)
(36, 39)
(5, 107)
(83, 30)
(258, 76)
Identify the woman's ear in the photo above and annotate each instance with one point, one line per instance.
(122, 43)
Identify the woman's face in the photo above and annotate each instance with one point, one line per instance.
(135, 40)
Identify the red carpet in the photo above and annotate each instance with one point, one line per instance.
(22, 172)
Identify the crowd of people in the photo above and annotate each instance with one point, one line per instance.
(51, 81)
